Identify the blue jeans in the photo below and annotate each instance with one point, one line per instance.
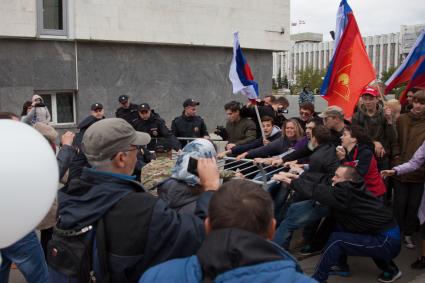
(299, 215)
(279, 193)
(381, 248)
(28, 256)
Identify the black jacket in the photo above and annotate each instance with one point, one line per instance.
(130, 114)
(178, 195)
(353, 207)
(188, 127)
(79, 161)
(323, 160)
(160, 134)
(141, 230)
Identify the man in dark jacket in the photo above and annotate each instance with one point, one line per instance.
(127, 110)
(365, 227)
(237, 247)
(239, 130)
(378, 123)
(151, 123)
(79, 161)
(189, 125)
(303, 212)
(140, 230)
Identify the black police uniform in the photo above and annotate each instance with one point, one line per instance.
(130, 114)
(188, 127)
(160, 134)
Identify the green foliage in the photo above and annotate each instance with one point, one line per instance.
(385, 75)
(310, 77)
(285, 83)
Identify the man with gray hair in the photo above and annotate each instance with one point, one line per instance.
(140, 230)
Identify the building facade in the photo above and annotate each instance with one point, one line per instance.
(75, 53)
(308, 50)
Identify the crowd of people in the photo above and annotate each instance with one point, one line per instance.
(355, 188)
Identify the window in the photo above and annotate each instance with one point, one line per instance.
(392, 55)
(377, 58)
(52, 16)
(61, 105)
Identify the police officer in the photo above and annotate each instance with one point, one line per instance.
(189, 125)
(151, 123)
(127, 110)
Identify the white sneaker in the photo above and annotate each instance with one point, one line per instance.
(409, 242)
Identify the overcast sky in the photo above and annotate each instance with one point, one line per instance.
(373, 16)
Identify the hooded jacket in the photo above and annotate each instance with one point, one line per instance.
(354, 207)
(231, 255)
(38, 113)
(140, 230)
(376, 126)
(275, 134)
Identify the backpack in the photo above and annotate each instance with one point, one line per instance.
(78, 256)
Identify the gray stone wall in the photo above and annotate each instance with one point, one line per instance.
(163, 76)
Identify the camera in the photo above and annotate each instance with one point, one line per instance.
(282, 111)
(221, 131)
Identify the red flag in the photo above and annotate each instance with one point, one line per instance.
(352, 70)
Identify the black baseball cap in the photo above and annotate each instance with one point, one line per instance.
(123, 98)
(95, 106)
(190, 102)
(144, 106)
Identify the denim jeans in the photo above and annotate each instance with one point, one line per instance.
(381, 248)
(299, 215)
(28, 256)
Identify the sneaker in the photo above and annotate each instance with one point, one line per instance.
(408, 242)
(307, 250)
(419, 263)
(388, 277)
(340, 270)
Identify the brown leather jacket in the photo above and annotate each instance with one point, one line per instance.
(411, 135)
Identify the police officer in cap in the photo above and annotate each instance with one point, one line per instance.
(127, 110)
(151, 123)
(189, 125)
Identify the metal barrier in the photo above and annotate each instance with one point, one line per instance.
(261, 174)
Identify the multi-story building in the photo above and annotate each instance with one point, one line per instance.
(75, 53)
(308, 50)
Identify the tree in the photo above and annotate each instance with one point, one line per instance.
(310, 77)
(385, 75)
(279, 79)
(285, 82)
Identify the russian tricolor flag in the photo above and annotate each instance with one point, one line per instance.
(341, 23)
(240, 73)
(410, 69)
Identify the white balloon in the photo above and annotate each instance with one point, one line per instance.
(28, 180)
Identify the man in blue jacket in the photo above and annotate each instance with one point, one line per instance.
(140, 229)
(237, 247)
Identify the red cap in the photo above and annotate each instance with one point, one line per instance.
(371, 91)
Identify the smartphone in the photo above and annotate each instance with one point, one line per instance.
(192, 166)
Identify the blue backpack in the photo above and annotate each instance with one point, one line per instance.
(78, 256)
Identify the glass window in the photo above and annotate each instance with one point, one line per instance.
(52, 17)
(61, 105)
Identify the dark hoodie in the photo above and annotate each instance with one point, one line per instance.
(140, 230)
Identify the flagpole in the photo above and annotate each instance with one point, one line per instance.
(259, 122)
